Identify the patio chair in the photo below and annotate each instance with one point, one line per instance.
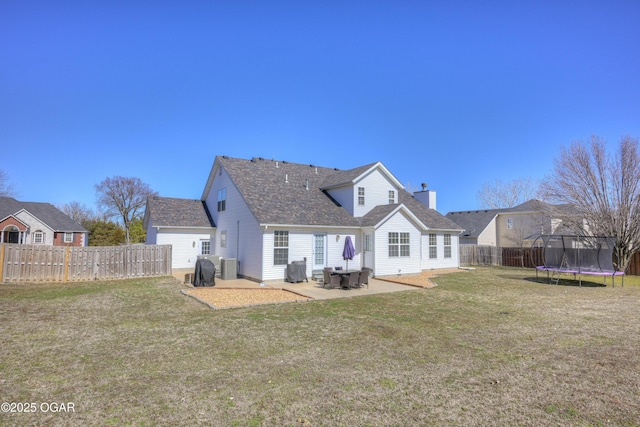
(333, 280)
(350, 281)
(363, 279)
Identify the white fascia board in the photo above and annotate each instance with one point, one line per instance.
(14, 217)
(329, 227)
(385, 171)
(210, 178)
(158, 227)
(403, 208)
(40, 221)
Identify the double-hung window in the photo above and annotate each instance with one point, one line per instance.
(392, 197)
(205, 247)
(68, 238)
(399, 244)
(509, 223)
(447, 245)
(433, 246)
(222, 199)
(360, 196)
(280, 247)
(38, 237)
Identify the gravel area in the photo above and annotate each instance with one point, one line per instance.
(422, 280)
(228, 298)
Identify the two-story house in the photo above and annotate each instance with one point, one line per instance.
(38, 224)
(509, 227)
(268, 213)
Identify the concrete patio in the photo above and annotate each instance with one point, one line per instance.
(312, 288)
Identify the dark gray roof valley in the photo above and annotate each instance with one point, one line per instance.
(279, 192)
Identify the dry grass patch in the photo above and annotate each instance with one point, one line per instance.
(487, 347)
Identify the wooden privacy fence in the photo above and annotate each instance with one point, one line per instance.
(38, 263)
(480, 255)
(518, 257)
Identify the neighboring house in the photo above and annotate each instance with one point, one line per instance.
(183, 223)
(38, 224)
(509, 227)
(268, 213)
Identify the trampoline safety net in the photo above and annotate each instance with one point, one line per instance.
(580, 254)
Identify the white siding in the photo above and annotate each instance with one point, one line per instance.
(440, 261)
(35, 225)
(344, 196)
(244, 235)
(151, 234)
(376, 192)
(301, 246)
(385, 265)
(185, 245)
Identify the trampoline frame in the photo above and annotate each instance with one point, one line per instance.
(556, 270)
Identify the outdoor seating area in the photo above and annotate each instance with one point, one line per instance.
(345, 279)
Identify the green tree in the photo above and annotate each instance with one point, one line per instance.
(137, 233)
(105, 233)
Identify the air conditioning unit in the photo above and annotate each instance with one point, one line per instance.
(229, 269)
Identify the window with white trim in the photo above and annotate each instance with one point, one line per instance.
(392, 197)
(223, 239)
(205, 247)
(361, 196)
(399, 244)
(433, 246)
(68, 238)
(222, 199)
(280, 247)
(38, 236)
(509, 223)
(447, 245)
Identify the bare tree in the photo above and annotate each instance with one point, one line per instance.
(500, 195)
(603, 190)
(79, 212)
(6, 188)
(123, 197)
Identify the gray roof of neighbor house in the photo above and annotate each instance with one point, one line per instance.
(53, 217)
(279, 192)
(175, 212)
(474, 222)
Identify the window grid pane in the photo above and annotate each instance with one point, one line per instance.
(433, 252)
(281, 247)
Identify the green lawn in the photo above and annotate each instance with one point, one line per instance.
(486, 347)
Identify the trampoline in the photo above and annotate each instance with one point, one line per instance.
(577, 255)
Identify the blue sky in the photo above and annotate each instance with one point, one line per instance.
(452, 93)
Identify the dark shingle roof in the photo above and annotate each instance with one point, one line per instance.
(474, 222)
(291, 193)
(174, 212)
(45, 212)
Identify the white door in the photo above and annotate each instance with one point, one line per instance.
(367, 248)
(319, 251)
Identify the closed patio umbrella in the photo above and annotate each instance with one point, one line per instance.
(349, 251)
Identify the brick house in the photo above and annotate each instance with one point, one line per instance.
(38, 224)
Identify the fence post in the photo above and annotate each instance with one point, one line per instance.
(1, 261)
(66, 264)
